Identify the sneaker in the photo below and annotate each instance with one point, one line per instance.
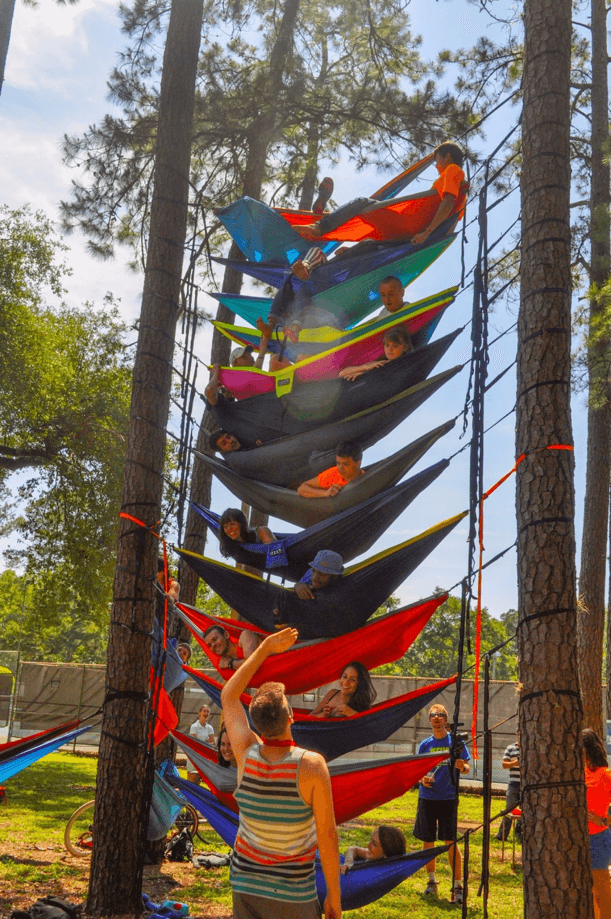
(459, 895)
(431, 889)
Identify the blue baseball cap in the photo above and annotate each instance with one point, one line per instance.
(328, 562)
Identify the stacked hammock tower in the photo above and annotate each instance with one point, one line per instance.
(288, 424)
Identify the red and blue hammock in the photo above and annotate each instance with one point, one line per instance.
(333, 737)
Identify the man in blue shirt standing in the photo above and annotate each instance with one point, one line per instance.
(437, 801)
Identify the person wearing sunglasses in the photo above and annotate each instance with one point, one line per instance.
(437, 802)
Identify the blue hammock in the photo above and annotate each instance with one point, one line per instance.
(366, 881)
(19, 761)
(166, 804)
(351, 532)
(333, 737)
(347, 287)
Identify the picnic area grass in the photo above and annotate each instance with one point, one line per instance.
(34, 862)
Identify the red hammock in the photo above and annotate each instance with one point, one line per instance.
(308, 665)
(355, 790)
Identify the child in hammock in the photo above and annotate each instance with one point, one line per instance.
(385, 842)
(397, 342)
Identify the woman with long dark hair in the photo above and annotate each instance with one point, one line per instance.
(233, 530)
(598, 791)
(355, 694)
(223, 745)
(385, 842)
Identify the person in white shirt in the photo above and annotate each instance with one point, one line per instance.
(203, 731)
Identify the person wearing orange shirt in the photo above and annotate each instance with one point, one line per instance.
(348, 458)
(598, 793)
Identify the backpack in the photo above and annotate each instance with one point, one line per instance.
(49, 908)
(180, 847)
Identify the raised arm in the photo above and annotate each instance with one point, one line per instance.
(211, 391)
(240, 734)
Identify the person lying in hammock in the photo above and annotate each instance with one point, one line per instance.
(385, 842)
(225, 751)
(231, 656)
(233, 529)
(448, 161)
(326, 567)
(327, 484)
(397, 342)
(356, 694)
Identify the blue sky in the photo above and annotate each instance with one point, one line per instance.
(58, 64)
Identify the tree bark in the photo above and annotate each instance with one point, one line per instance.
(557, 881)
(7, 8)
(262, 133)
(121, 815)
(591, 617)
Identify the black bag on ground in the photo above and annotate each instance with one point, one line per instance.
(49, 908)
(180, 847)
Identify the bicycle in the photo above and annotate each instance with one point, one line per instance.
(78, 835)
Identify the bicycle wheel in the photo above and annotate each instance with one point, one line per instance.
(78, 835)
(188, 817)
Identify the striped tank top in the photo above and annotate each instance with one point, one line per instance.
(276, 842)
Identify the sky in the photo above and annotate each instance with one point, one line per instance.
(55, 84)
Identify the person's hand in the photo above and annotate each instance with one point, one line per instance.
(419, 238)
(350, 373)
(343, 868)
(333, 490)
(303, 591)
(226, 663)
(427, 781)
(460, 764)
(332, 908)
(278, 642)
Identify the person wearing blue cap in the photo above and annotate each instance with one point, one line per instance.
(326, 567)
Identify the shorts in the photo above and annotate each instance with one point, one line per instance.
(249, 906)
(600, 850)
(435, 820)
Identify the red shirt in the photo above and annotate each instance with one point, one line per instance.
(598, 793)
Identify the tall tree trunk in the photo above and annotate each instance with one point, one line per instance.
(591, 616)
(7, 8)
(121, 817)
(261, 135)
(557, 880)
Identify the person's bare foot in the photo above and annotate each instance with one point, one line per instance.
(265, 328)
(292, 333)
(300, 270)
(308, 230)
(325, 190)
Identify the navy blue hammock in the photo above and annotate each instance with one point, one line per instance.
(333, 737)
(366, 881)
(342, 607)
(288, 505)
(351, 532)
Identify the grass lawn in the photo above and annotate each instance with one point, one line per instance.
(34, 862)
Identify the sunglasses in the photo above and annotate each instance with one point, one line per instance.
(437, 715)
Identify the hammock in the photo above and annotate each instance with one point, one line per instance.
(308, 665)
(357, 786)
(166, 804)
(22, 758)
(261, 232)
(402, 217)
(264, 418)
(366, 881)
(290, 554)
(288, 505)
(346, 604)
(23, 744)
(313, 341)
(292, 460)
(362, 347)
(333, 737)
(348, 288)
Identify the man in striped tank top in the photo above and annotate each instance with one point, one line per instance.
(286, 805)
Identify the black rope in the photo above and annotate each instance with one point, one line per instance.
(557, 692)
(499, 376)
(124, 694)
(122, 740)
(559, 611)
(487, 790)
